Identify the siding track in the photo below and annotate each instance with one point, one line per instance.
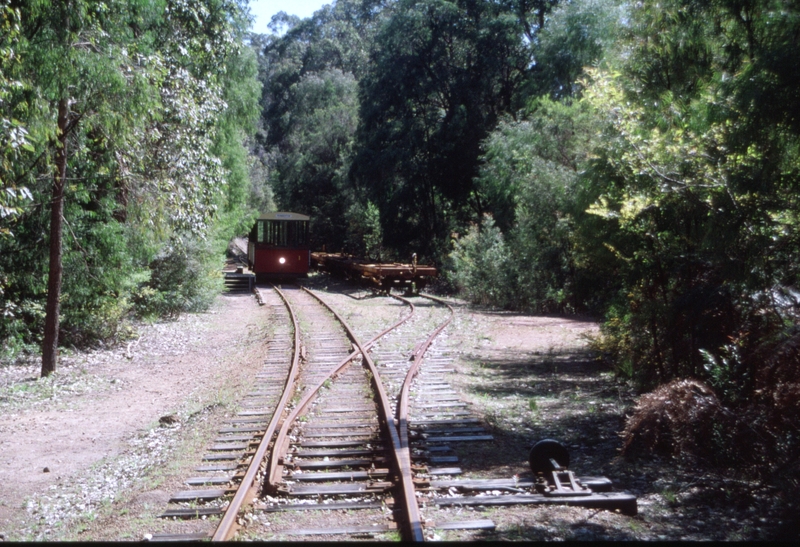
(360, 434)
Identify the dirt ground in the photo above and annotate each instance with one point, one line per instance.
(83, 455)
(99, 405)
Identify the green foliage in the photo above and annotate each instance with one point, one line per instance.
(23, 275)
(364, 231)
(664, 198)
(96, 280)
(241, 93)
(577, 35)
(163, 102)
(184, 276)
(481, 265)
(442, 73)
(389, 102)
(13, 134)
(309, 173)
(530, 179)
(310, 76)
(695, 191)
(261, 196)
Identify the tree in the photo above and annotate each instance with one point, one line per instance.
(442, 74)
(531, 165)
(576, 35)
(310, 100)
(697, 190)
(13, 135)
(481, 265)
(128, 109)
(310, 172)
(83, 71)
(529, 181)
(364, 237)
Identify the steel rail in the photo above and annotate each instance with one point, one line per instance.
(280, 443)
(403, 450)
(402, 458)
(402, 403)
(225, 527)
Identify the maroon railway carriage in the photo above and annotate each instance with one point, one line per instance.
(278, 246)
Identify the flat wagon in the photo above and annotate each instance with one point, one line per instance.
(384, 276)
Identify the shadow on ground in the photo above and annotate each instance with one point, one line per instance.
(576, 400)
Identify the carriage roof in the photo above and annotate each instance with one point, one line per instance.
(283, 216)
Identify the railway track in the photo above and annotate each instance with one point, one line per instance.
(345, 437)
(365, 430)
(365, 434)
(231, 463)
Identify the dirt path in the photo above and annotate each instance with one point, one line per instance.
(99, 401)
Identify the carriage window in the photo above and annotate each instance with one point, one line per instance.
(282, 233)
(298, 233)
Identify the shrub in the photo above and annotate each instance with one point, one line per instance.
(683, 419)
(184, 277)
(98, 275)
(364, 236)
(481, 265)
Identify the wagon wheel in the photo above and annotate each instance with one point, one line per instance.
(545, 450)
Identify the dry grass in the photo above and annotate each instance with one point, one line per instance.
(682, 418)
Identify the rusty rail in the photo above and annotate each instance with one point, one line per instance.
(402, 404)
(397, 429)
(273, 474)
(225, 528)
(402, 459)
(412, 527)
(403, 451)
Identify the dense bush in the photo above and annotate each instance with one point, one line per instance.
(105, 285)
(530, 181)
(655, 201)
(522, 272)
(480, 265)
(364, 235)
(183, 277)
(120, 155)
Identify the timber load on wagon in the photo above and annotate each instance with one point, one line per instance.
(383, 275)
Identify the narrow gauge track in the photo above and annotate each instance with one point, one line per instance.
(317, 464)
(427, 405)
(235, 456)
(438, 421)
(339, 442)
(345, 441)
(324, 352)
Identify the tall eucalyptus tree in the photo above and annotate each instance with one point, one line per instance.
(87, 73)
(129, 108)
(310, 115)
(442, 74)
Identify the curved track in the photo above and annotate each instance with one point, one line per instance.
(367, 429)
(338, 433)
(245, 492)
(346, 440)
(292, 468)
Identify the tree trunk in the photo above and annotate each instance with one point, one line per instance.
(50, 343)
